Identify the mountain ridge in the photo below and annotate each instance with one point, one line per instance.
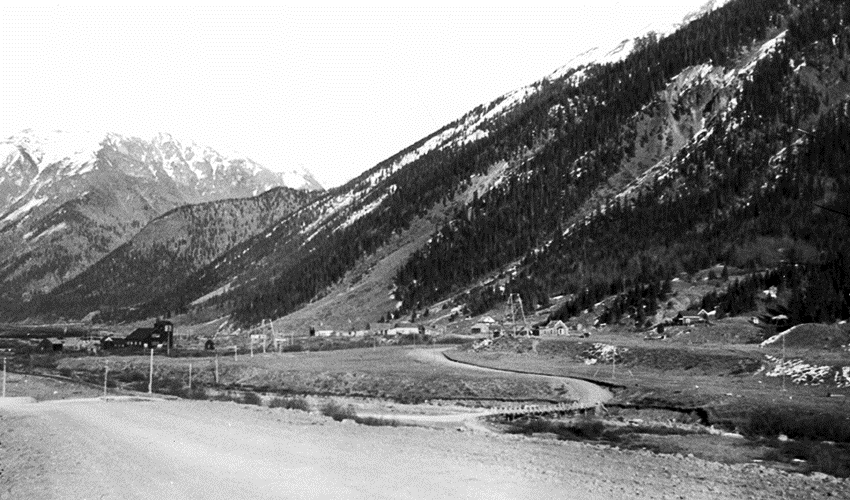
(66, 199)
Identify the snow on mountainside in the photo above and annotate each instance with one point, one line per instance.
(67, 199)
(621, 50)
(35, 159)
(372, 194)
(474, 125)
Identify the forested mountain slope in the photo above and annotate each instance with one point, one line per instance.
(67, 199)
(157, 260)
(771, 147)
(575, 143)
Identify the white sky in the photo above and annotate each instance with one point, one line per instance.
(333, 89)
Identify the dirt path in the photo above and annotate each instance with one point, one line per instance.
(580, 390)
(208, 450)
(583, 392)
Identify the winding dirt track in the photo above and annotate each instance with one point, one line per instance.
(582, 391)
(585, 394)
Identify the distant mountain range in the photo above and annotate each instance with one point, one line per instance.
(67, 199)
(712, 143)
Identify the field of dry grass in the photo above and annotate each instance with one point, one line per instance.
(46, 389)
(385, 372)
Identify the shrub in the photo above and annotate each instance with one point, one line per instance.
(251, 398)
(821, 457)
(138, 386)
(224, 396)
(582, 429)
(772, 422)
(291, 403)
(338, 412)
(375, 421)
(452, 340)
(410, 398)
(167, 386)
(131, 376)
(48, 361)
(195, 393)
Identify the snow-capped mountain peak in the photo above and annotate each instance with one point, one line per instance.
(620, 50)
(33, 159)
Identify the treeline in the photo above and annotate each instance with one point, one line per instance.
(144, 277)
(729, 191)
(508, 222)
(809, 292)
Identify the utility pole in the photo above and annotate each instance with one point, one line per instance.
(783, 362)
(235, 353)
(274, 336)
(4, 377)
(190, 376)
(614, 365)
(216, 369)
(105, 376)
(150, 379)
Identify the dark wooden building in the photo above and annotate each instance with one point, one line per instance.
(161, 336)
(51, 345)
(110, 342)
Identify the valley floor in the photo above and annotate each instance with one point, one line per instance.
(136, 449)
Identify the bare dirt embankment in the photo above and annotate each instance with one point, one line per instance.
(192, 449)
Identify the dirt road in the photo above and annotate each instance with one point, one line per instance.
(582, 392)
(579, 390)
(210, 450)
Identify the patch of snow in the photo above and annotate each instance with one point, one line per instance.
(51, 147)
(23, 209)
(798, 371)
(618, 52)
(84, 168)
(47, 232)
(765, 50)
(215, 293)
(362, 212)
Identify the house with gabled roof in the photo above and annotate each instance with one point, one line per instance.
(159, 337)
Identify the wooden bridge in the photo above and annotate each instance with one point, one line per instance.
(514, 411)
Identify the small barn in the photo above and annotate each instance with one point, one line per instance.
(480, 328)
(429, 331)
(707, 315)
(51, 345)
(555, 328)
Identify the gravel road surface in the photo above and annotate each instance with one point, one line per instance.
(123, 449)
